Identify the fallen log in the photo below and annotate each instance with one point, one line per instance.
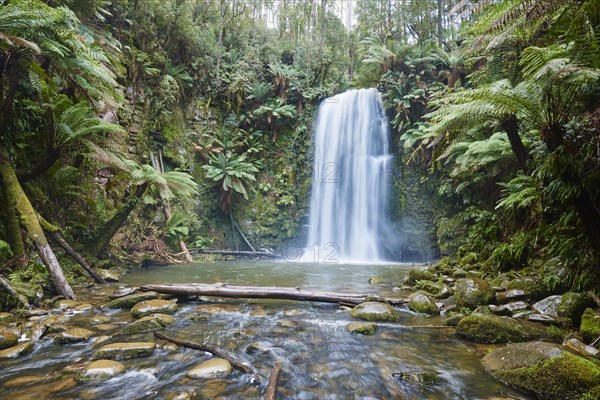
(235, 363)
(266, 292)
(271, 393)
(4, 283)
(265, 254)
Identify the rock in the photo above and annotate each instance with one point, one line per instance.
(109, 275)
(473, 292)
(590, 325)
(67, 304)
(84, 307)
(542, 319)
(534, 287)
(578, 347)
(148, 307)
(118, 351)
(101, 370)
(122, 291)
(24, 381)
(180, 396)
(510, 308)
(98, 340)
(365, 328)
(459, 273)
(420, 302)
(375, 311)
(106, 327)
(73, 335)
(573, 305)
(131, 300)
(210, 369)
(6, 317)
(149, 323)
(511, 295)
(415, 275)
(548, 306)
(256, 347)
(375, 280)
(453, 320)
(421, 378)
(438, 290)
(7, 339)
(17, 351)
(543, 369)
(100, 319)
(482, 328)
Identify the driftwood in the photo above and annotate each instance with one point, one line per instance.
(271, 393)
(266, 292)
(264, 254)
(4, 283)
(224, 354)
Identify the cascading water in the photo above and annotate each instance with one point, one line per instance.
(349, 219)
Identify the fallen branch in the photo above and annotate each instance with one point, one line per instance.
(266, 254)
(215, 352)
(20, 298)
(271, 393)
(593, 296)
(266, 292)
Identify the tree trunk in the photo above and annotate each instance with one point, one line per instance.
(4, 283)
(511, 127)
(13, 231)
(264, 292)
(28, 219)
(220, 43)
(105, 234)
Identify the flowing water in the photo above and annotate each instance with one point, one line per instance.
(321, 360)
(349, 219)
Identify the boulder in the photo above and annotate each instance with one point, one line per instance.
(106, 327)
(415, 275)
(590, 325)
(573, 305)
(7, 339)
(509, 296)
(6, 317)
(375, 280)
(109, 275)
(510, 308)
(148, 307)
(542, 319)
(118, 351)
(73, 335)
(438, 290)
(534, 288)
(131, 300)
(365, 328)
(375, 311)
(473, 292)
(101, 370)
(210, 369)
(549, 305)
(420, 302)
(544, 370)
(420, 378)
(67, 304)
(578, 347)
(19, 350)
(481, 328)
(149, 323)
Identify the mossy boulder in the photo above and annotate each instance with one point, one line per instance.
(7, 339)
(6, 317)
(101, 370)
(19, 350)
(415, 275)
(590, 325)
(364, 328)
(534, 287)
(573, 305)
(73, 335)
(131, 300)
(149, 323)
(148, 307)
(473, 292)
(544, 370)
(436, 289)
(374, 311)
(420, 302)
(420, 378)
(118, 351)
(481, 328)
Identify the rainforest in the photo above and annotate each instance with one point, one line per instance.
(303, 199)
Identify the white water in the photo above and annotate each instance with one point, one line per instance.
(349, 202)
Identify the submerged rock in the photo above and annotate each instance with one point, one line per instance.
(101, 370)
(375, 311)
(421, 378)
(473, 292)
(148, 307)
(374, 280)
(420, 302)
(7, 339)
(365, 328)
(118, 351)
(545, 370)
(17, 351)
(590, 325)
(131, 300)
(210, 369)
(482, 328)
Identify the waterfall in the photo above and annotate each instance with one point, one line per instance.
(348, 219)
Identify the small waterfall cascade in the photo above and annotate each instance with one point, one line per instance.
(348, 219)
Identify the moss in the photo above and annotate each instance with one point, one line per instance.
(131, 300)
(415, 275)
(375, 311)
(473, 292)
(362, 328)
(535, 288)
(421, 303)
(481, 328)
(573, 305)
(561, 378)
(590, 325)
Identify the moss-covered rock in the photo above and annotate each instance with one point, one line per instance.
(420, 302)
(453, 320)
(148, 307)
(590, 325)
(534, 287)
(375, 311)
(7, 339)
(131, 300)
(6, 317)
(118, 351)
(573, 305)
(149, 323)
(415, 275)
(19, 350)
(544, 370)
(482, 328)
(420, 378)
(436, 289)
(364, 328)
(473, 292)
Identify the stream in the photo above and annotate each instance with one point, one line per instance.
(321, 360)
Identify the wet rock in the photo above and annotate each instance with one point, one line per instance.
(101, 370)
(122, 291)
(148, 307)
(364, 328)
(420, 378)
(24, 381)
(210, 369)
(256, 347)
(415, 275)
(67, 304)
(544, 369)
(438, 290)
(375, 311)
(73, 335)
(578, 347)
(459, 273)
(99, 319)
(119, 351)
(510, 308)
(180, 396)
(99, 340)
(548, 306)
(573, 305)
(473, 292)
(19, 350)
(511, 295)
(35, 332)
(375, 280)
(420, 302)
(590, 325)
(149, 323)
(453, 320)
(542, 319)
(106, 327)
(534, 287)
(109, 275)
(6, 317)
(482, 328)
(7, 339)
(212, 309)
(131, 300)
(84, 307)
